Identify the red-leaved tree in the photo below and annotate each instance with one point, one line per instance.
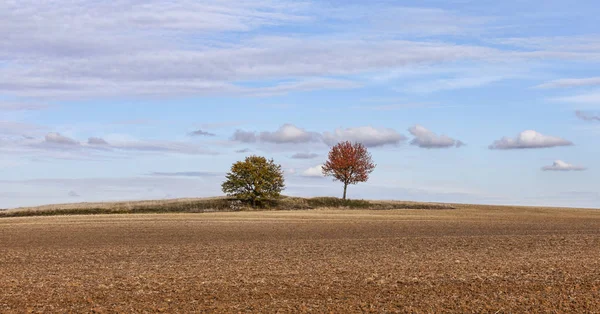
(349, 163)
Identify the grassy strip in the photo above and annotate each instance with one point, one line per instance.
(216, 205)
(290, 203)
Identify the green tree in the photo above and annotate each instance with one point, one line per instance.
(254, 180)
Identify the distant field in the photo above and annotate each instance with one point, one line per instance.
(471, 259)
(212, 204)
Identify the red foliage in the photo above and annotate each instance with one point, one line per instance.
(349, 163)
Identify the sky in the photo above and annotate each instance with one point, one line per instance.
(492, 102)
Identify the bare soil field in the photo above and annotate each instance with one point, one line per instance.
(471, 259)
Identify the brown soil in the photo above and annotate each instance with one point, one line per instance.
(472, 259)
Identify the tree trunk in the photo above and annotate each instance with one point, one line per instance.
(345, 189)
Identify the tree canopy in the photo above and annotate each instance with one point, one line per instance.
(349, 163)
(254, 180)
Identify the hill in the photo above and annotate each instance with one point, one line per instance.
(213, 204)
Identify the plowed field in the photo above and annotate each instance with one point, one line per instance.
(472, 259)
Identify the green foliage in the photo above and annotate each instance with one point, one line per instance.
(255, 180)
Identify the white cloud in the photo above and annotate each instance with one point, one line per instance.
(184, 47)
(529, 139)
(300, 85)
(437, 85)
(586, 99)
(560, 165)
(424, 138)
(214, 70)
(367, 135)
(56, 145)
(315, 172)
(289, 133)
(187, 174)
(305, 156)
(286, 134)
(201, 133)
(416, 21)
(96, 141)
(57, 138)
(244, 136)
(161, 146)
(571, 82)
(17, 106)
(586, 43)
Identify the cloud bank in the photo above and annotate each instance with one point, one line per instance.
(57, 138)
(425, 138)
(367, 135)
(571, 82)
(286, 134)
(529, 139)
(560, 165)
(54, 141)
(289, 134)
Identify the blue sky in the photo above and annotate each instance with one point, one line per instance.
(459, 101)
